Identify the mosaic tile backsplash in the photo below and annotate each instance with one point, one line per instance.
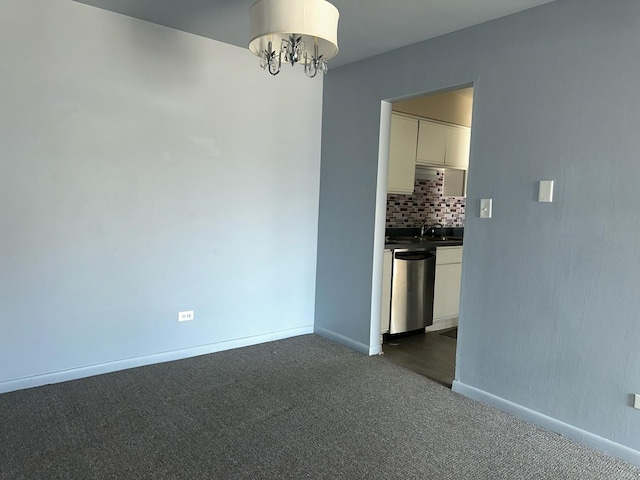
(426, 203)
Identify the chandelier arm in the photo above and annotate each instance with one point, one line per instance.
(268, 60)
(274, 69)
(311, 71)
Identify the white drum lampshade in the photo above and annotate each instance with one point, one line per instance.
(273, 22)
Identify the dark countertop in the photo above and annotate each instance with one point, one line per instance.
(409, 238)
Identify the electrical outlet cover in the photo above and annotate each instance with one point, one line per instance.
(545, 191)
(185, 316)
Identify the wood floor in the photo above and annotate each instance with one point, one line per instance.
(430, 354)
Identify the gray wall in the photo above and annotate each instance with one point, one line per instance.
(549, 308)
(146, 171)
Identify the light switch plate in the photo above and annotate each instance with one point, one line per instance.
(545, 191)
(486, 207)
(636, 401)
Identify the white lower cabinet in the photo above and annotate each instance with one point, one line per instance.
(446, 297)
(385, 308)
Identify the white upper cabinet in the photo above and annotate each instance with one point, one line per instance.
(458, 142)
(455, 183)
(441, 145)
(402, 154)
(432, 142)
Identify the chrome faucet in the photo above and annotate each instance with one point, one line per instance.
(432, 229)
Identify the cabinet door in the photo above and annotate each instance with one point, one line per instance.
(455, 183)
(432, 141)
(402, 154)
(446, 297)
(458, 141)
(385, 308)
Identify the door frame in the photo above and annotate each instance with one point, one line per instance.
(375, 344)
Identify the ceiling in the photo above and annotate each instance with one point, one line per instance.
(464, 92)
(366, 27)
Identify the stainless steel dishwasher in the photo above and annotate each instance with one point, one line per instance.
(412, 285)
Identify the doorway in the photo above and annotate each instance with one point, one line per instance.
(432, 354)
(425, 206)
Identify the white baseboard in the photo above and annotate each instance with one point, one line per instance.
(336, 337)
(581, 436)
(442, 324)
(375, 350)
(90, 370)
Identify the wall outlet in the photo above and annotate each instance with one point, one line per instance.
(185, 316)
(636, 401)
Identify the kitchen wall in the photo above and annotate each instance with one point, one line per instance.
(144, 172)
(549, 308)
(426, 203)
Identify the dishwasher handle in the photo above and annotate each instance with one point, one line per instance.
(411, 256)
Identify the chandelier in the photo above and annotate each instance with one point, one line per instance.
(301, 31)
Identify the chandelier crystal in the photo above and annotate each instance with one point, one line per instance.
(301, 31)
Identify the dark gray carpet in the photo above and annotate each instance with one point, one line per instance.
(294, 409)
